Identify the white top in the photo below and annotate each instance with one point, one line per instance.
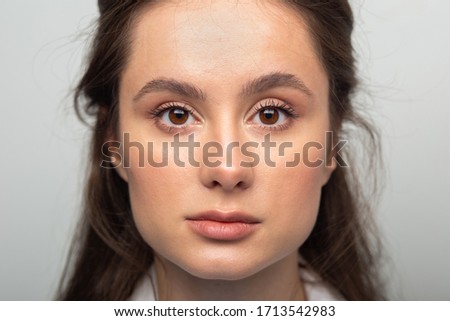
(315, 289)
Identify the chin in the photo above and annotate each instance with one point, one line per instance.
(226, 270)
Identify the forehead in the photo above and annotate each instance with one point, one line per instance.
(220, 39)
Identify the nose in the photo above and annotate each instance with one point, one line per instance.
(228, 170)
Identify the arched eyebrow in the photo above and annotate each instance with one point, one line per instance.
(253, 87)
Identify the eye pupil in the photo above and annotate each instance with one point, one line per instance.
(178, 116)
(269, 116)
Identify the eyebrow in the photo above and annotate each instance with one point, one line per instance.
(255, 86)
(274, 80)
(181, 88)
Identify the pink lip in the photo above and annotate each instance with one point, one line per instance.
(223, 226)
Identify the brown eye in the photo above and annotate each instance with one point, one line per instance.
(269, 116)
(178, 116)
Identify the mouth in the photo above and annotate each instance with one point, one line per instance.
(223, 226)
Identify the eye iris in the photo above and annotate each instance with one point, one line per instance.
(178, 116)
(269, 116)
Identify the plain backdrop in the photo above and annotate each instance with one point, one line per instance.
(403, 49)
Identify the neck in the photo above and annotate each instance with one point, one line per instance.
(279, 281)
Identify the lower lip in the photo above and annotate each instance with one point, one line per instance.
(222, 231)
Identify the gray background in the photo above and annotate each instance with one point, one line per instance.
(404, 55)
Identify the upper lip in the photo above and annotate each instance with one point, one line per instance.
(224, 216)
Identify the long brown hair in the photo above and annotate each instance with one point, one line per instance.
(108, 256)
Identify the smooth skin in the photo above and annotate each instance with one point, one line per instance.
(220, 47)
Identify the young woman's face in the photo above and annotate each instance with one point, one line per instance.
(223, 75)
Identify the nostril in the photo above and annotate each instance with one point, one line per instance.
(239, 185)
(226, 178)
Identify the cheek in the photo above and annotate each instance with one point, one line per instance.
(156, 193)
(147, 194)
(292, 195)
(154, 197)
(299, 193)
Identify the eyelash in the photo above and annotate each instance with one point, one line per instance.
(284, 107)
(157, 113)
